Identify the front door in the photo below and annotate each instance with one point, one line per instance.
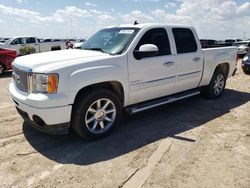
(152, 77)
(18, 44)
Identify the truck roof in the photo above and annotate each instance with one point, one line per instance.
(146, 25)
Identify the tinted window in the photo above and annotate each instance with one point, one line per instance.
(184, 40)
(17, 41)
(158, 37)
(30, 40)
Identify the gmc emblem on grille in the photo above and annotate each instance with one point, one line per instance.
(16, 77)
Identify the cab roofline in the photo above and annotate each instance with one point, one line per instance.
(146, 25)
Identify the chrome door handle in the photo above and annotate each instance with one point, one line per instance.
(196, 59)
(168, 64)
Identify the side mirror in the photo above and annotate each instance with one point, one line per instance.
(146, 50)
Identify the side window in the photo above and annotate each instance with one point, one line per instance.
(17, 41)
(158, 37)
(184, 40)
(30, 40)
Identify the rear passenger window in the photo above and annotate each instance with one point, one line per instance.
(184, 40)
(158, 37)
(30, 40)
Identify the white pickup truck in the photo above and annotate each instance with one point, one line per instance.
(136, 67)
(19, 43)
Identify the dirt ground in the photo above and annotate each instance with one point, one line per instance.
(191, 143)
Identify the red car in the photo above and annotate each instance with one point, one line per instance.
(6, 58)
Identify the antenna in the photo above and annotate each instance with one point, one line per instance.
(136, 23)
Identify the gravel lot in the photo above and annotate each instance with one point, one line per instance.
(191, 143)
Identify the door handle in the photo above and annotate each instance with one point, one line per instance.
(196, 59)
(168, 64)
(35, 44)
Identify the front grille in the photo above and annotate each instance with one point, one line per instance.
(21, 79)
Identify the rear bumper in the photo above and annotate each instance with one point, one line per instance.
(39, 124)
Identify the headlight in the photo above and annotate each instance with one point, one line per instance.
(43, 83)
(245, 58)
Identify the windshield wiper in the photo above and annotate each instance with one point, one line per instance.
(96, 49)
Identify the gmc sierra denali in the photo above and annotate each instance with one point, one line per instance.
(136, 67)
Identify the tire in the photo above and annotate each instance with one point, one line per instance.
(216, 86)
(2, 69)
(96, 114)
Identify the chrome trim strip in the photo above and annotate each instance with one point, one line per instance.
(189, 73)
(151, 81)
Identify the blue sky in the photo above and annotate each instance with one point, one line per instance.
(217, 19)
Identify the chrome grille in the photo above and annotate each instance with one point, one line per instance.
(21, 79)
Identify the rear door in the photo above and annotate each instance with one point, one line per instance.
(152, 77)
(189, 59)
(32, 44)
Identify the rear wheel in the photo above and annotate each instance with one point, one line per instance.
(216, 86)
(2, 69)
(96, 114)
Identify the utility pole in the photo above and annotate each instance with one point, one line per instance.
(244, 37)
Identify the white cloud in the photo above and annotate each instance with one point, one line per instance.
(60, 15)
(94, 11)
(217, 19)
(106, 18)
(21, 1)
(90, 4)
(170, 5)
(136, 15)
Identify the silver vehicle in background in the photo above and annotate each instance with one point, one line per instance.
(243, 47)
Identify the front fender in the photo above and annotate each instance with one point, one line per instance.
(84, 77)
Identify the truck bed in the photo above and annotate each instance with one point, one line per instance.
(218, 54)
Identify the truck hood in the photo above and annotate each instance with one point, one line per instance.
(48, 60)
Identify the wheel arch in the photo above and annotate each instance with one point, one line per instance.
(225, 66)
(114, 86)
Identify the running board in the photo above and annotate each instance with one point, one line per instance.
(161, 101)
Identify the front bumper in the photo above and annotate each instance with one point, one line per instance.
(39, 124)
(50, 119)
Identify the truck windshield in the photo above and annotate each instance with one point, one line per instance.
(112, 40)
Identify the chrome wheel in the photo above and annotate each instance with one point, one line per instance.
(219, 85)
(100, 116)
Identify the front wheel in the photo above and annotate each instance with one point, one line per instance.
(216, 86)
(96, 114)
